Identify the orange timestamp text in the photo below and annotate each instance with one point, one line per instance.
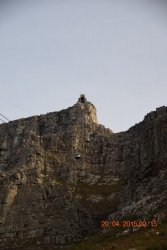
(127, 223)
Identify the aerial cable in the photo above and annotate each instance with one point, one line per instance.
(2, 120)
(12, 104)
(5, 117)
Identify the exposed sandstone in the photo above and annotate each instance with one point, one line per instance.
(62, 172)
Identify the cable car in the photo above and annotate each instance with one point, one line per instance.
(77, 156)
(87, 139)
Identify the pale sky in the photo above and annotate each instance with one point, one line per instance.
(113, 51)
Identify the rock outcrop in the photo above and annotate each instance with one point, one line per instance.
(61, 173)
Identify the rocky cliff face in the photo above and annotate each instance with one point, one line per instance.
(62, 172)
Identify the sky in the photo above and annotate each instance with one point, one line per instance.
(113, 51)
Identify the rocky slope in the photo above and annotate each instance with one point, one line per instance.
(62, 173)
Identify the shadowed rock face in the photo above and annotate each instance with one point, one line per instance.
(62, 172)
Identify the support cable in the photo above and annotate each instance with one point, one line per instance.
(5, 117)
(2, 120)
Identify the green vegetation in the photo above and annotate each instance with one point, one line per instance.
(103, 206)
(144, 239)
(157, 248)
(104, 190)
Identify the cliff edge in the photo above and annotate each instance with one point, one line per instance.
(62, 173)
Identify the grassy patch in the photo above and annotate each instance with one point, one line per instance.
(103, 206)
(144, 239)
(85, 190)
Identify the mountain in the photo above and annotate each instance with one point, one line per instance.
(62, 174)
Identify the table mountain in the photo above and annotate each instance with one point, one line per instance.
(62, 173)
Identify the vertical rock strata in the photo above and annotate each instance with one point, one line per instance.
(60, 173)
